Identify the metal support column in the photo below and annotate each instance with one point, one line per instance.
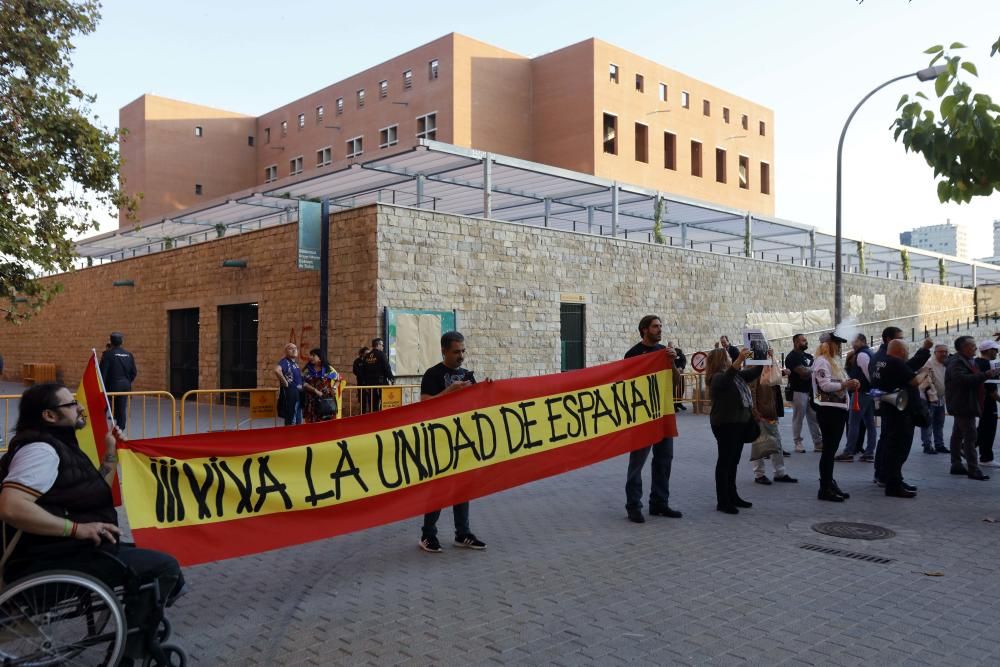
(590, 219)
(487, 186)
(748, 235)
(684, 234)
(614, 210)
(420, 189)
(974, 276)
(812, 248)
(548, 210)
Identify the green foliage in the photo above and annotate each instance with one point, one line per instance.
(56, 165)
(220, 230)
(961, 142)
(904, 260)
(942, 274)
(658, 221)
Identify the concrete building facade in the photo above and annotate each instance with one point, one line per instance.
(947, 239)
(589, 107)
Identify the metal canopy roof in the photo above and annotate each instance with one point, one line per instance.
(455, 180)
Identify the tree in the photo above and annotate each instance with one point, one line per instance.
(961, 142)
(904, 260)
(56, 165)
(658, 222)
(861, 257)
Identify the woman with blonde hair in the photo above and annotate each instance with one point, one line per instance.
(732, 418)
(830, 386)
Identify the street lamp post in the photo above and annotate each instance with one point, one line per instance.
(927, 74)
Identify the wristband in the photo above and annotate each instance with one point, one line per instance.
(72, 533)
(66, 523)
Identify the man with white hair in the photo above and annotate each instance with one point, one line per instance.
(932, 394)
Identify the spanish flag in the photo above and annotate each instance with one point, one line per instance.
(91, 396)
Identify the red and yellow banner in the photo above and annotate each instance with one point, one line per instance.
(211, 496)
(92, 437)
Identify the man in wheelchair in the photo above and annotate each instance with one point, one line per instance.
(59, 515)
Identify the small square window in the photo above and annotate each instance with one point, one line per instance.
(267, 135)
(355, 147)
(340, 105)
(408, 79)
(324, 157)
(197, 188)
(250, 140)
(745, 122)
(302, 120)
(199, 131)
(319, 114)
(640, 83)
(295, 166)
(427, 126)
(432, 69)
(663, 92)
(271, 173)
(383, 88)
(361, 98)
(284, 127)
(725, 115)
(762, 128)
(388, 136)
(613, 72)
(706, 108)
(685, 99)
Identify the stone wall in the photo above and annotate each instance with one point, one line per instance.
(507, 280)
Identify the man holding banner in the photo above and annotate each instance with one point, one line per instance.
(651, 330)
(445, 378)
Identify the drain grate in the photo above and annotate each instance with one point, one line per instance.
(853, 531)
(832, 551)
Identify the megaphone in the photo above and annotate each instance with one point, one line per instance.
(897, 399)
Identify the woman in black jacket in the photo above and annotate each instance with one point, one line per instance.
(732, 420)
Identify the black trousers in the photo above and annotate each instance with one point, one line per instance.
(897, 431)
(986, 431)
(371, 400)
(729, 438)
(119, 406)
(831, 424)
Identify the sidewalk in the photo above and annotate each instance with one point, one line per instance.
(568, 580)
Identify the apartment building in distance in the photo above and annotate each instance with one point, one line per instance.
(947, 239)
(590, 107)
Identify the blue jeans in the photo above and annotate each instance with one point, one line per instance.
(461, 512)
(866, 416)
(937, 427)
(659, 492)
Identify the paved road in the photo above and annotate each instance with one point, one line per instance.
(567, 580)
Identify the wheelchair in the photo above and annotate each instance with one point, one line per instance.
(66, 617)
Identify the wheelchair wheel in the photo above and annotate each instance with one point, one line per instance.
(175, 655)
(60, 618)
(164, 630)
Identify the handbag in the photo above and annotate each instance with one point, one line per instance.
(767, 442)
(326, 408)
(771, 376)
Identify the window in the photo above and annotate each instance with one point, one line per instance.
(744, 122)
(610, 134)
(765, 178)
(706, 108)
(613, 72)
(250, 140)
(663, 92)
(696, 158)
(669, 150)
(383, 88)
(685, 99)
(302, 120)
(427, 126)
(361, 98)
(408, 78)
(271, 173)
(432, 69)
(267, 135)
(319, 114)
(295, 166)
(744, 172)
(355, 147)
(340, 105)
(725, 115)
(284, 127)
(197, 188)
(571, 335)
(324, 156)
(762, 128)
(199, 131)
(640, 83)
(388, 136)
(720, 165)
(641, 143)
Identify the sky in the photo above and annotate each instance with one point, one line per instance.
(810, 61)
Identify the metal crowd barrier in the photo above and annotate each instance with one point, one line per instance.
(358, 399)
(146, 409)
(6, 401)
(206, 410)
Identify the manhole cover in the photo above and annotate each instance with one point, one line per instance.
(853, 531)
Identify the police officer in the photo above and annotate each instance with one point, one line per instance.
(891, 373)
(118, 372)
(376, 372)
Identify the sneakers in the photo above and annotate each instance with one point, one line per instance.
(799, 449)
(845, 458)
(469, 542)
(430, 545)
(762, 480)
(788, 479)
(989, 464)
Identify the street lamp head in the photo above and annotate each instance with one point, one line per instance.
(931, 73)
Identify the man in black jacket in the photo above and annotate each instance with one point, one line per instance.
(680, 363)
(377, 373)
(892, 373)
(118, 372)
(964, 386)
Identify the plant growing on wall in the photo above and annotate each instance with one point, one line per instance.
(861, 256)
(168, 243)
(658, 221)
(220, 230)
(941, 272)
(904, 259)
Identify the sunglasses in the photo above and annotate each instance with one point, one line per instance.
(71, 404)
